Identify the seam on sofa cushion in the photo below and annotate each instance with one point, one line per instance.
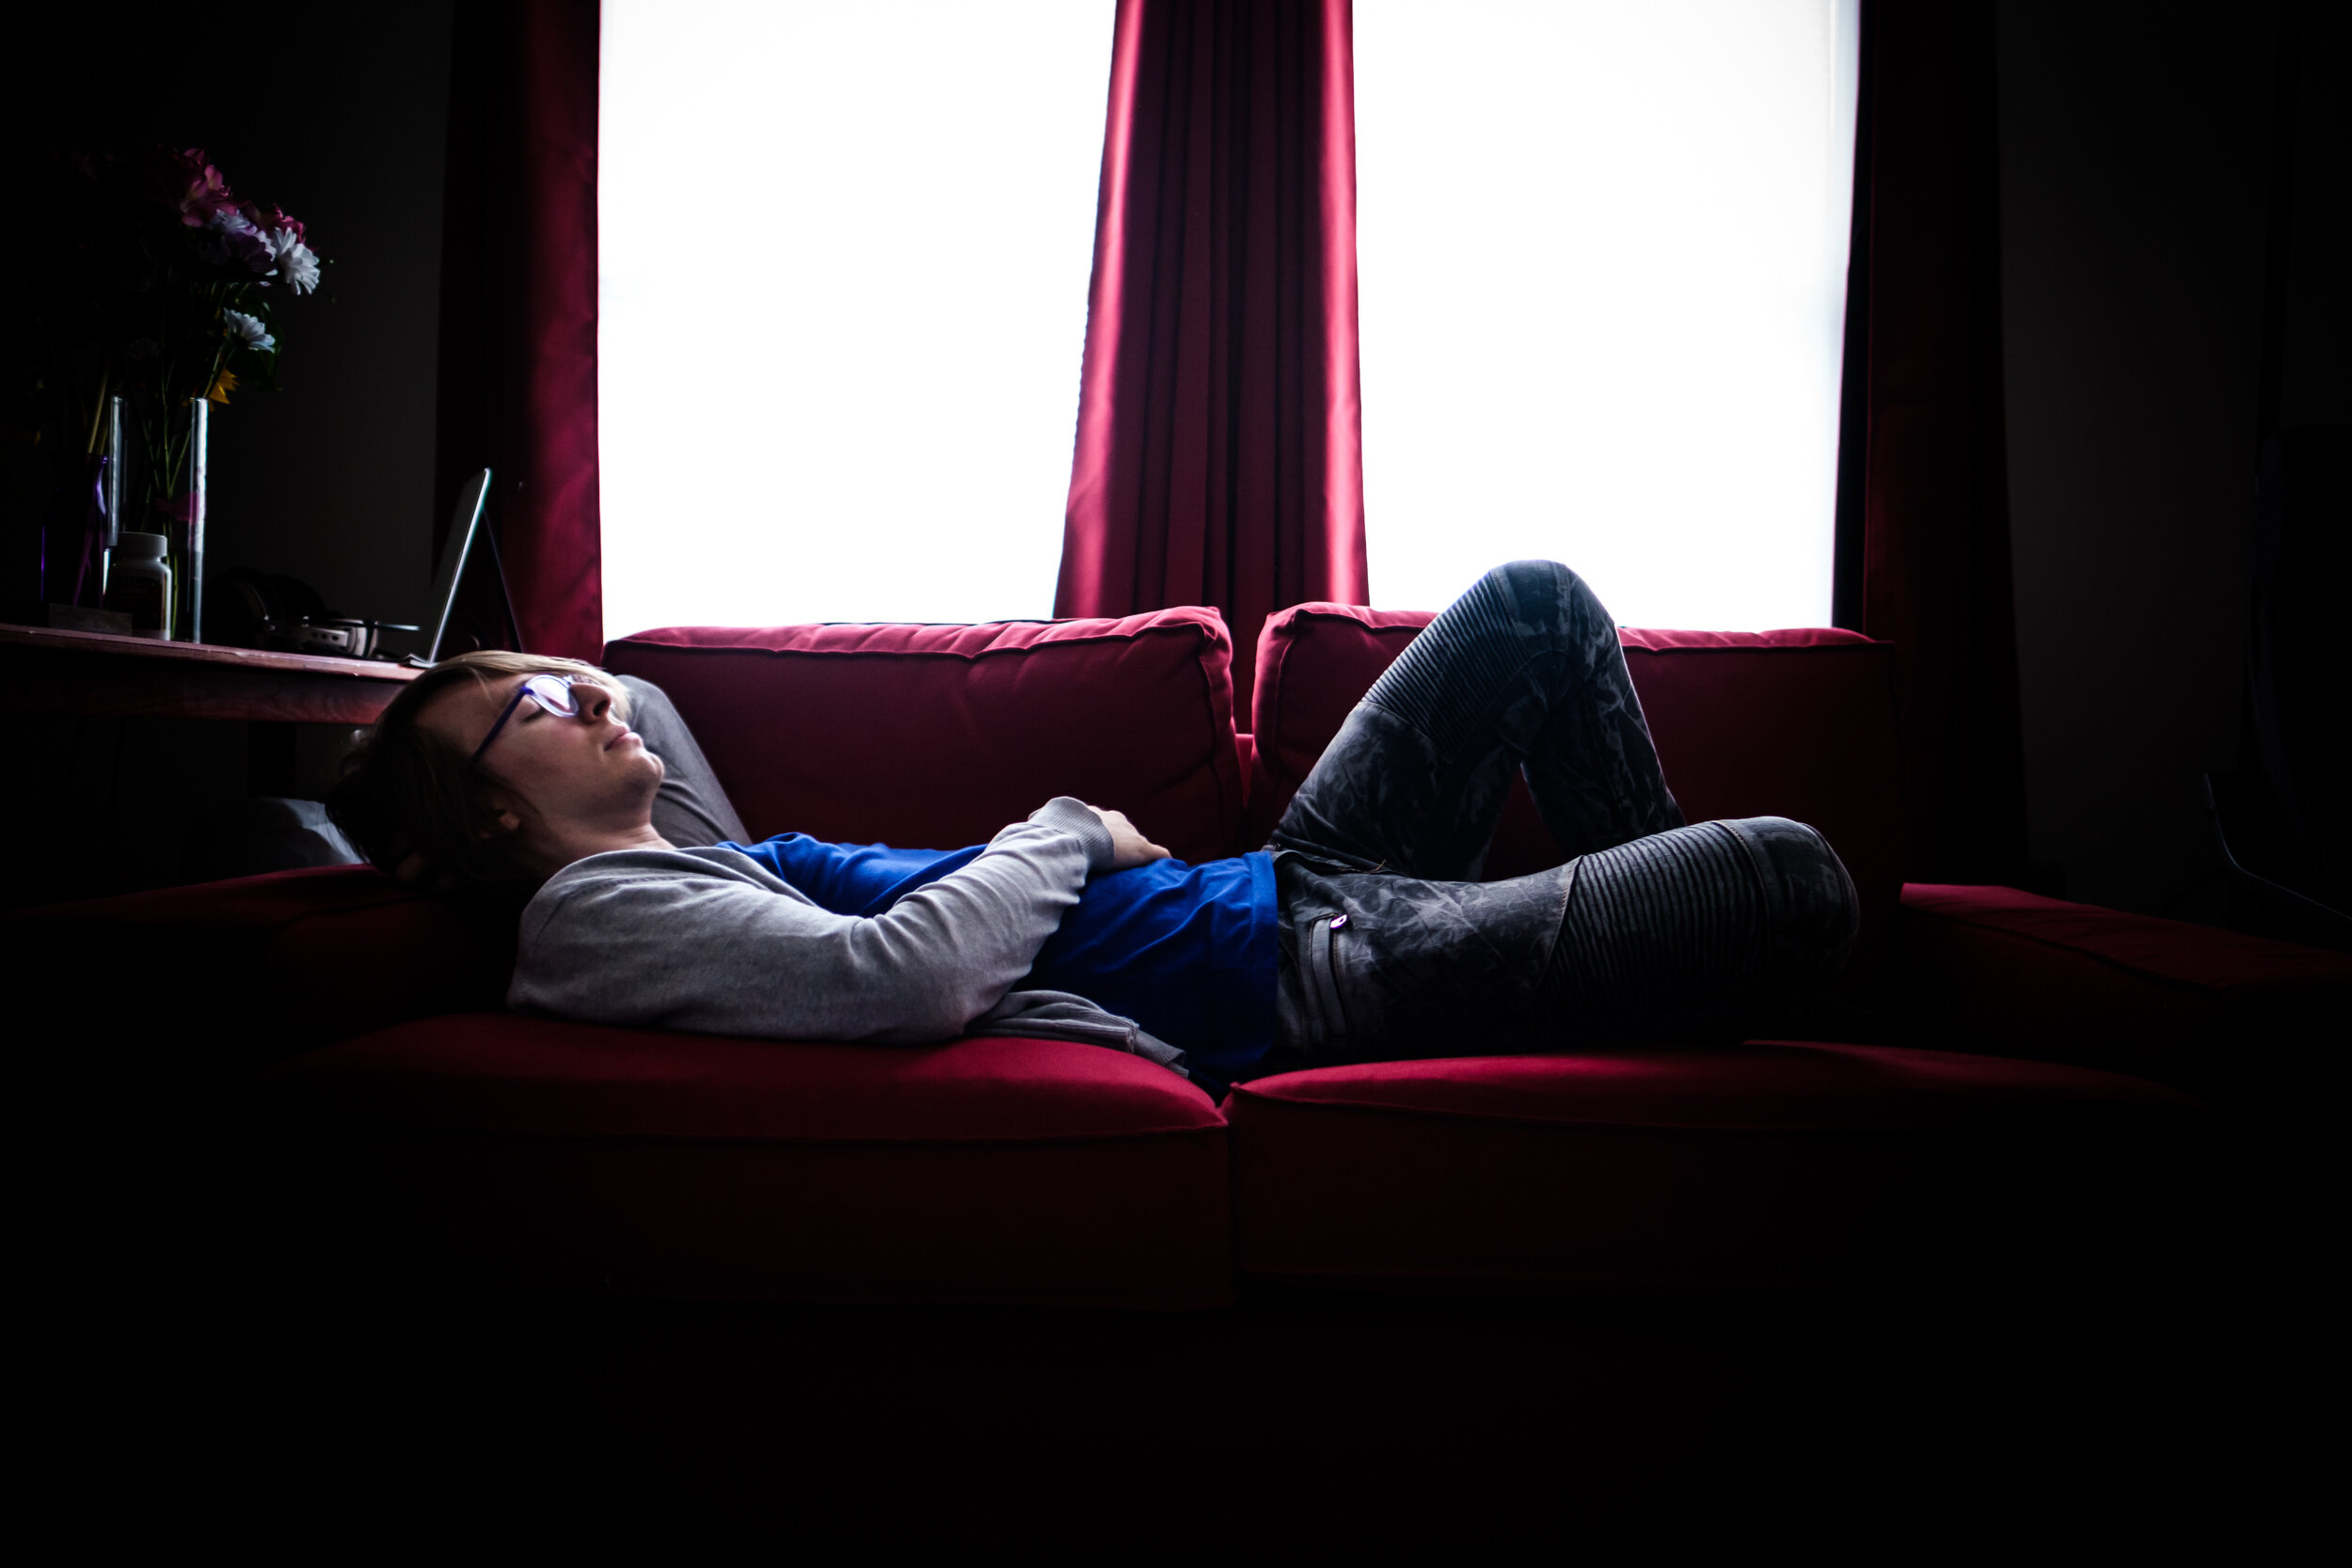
(1465, 1281)
(692, 1140)
(2122, 966)
(1184, 627)
(2028, 939)
(1910, 1128)
(1435, 1113)
(1232, 807)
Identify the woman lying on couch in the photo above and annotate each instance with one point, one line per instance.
(1357, 934)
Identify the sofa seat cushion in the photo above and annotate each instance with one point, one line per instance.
(934, 736)
(542, 1153)
(1797, 723)
(1773, 1164)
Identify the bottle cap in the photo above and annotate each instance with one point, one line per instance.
(141, 547)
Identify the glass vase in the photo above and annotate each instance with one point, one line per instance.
(187, 537)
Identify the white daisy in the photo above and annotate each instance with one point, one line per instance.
(296, 263)
(247, 330)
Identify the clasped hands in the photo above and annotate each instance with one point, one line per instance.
(1128, 848)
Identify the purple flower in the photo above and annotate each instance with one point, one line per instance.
(277, 218)
(198, 189)
(230, 238)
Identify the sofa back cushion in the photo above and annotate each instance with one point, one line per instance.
(1781, 723)
(934, 736)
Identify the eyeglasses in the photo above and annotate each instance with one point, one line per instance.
(552, 693)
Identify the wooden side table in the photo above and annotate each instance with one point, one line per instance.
(43, 670)
(46, 671)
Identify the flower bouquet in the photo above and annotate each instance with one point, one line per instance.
(171, 308)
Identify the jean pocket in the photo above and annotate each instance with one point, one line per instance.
(1319, 968)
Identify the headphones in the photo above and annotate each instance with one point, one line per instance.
(268, 609)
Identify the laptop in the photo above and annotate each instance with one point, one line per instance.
(464, 523)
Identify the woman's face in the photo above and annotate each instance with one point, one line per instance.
(589, 773)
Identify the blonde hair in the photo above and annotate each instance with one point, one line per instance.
(406, 790)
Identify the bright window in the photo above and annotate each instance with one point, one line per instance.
(845, 256)
(1602, 250)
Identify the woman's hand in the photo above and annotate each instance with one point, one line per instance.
(1128, 848)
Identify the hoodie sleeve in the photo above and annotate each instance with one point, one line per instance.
(709, 942)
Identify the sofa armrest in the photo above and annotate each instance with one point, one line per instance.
(207, 983)
(2002, 971)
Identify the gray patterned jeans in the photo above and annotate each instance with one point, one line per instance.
(1651, 931)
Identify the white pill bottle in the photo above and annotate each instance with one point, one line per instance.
(139, 582)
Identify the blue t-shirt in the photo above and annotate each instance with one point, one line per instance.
(1186, 951)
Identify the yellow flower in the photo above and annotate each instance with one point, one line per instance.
(223, 385)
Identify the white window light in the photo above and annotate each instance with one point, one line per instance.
(843, 279)
(1602, 251)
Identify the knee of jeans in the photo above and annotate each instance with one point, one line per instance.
(1815, 911)
(1544, 585)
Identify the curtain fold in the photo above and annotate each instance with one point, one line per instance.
(1219, 453)
(518, 381)
(1923, 540)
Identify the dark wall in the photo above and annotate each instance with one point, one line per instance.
(342, 120)
(2314, 373)
(2136, 156)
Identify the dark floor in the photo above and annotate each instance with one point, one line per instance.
(185, 1373)
(255, 1399)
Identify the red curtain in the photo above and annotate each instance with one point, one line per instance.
(1923, 546)
(518, 308)
(1219, 452)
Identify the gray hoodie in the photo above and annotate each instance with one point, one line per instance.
(709, 940)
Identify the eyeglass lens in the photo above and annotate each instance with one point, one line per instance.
(550, 694)
(555, 694)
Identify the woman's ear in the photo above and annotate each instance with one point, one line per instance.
(508, 822)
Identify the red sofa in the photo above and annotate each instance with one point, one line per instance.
(1990, 1056)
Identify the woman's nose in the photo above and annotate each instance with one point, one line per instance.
(597, 704)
